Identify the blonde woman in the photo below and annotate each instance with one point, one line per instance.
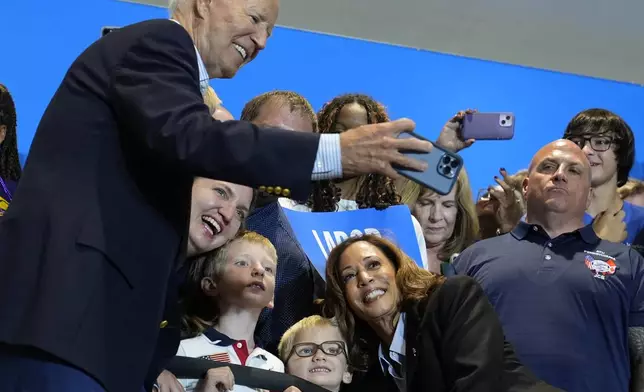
(449, 222)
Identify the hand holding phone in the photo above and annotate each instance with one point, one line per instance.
(442, 170)
(488, 126)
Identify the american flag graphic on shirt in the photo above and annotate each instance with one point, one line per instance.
(219, 357)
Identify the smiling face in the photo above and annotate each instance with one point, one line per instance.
(217, 211)
(233, 32)
(248, 279)
(326, 370)
(600, 151)
(369, 279)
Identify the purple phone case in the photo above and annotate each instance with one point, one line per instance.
(488, 126)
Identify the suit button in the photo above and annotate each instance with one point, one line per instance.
(269, 189)
(286, 192)
(278, 190)
(163, 324)
(262, 188)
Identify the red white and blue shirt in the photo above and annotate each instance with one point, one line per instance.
(216, 346)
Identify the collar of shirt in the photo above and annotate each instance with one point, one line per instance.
(204, 78)
(397, 347)
(587, 233)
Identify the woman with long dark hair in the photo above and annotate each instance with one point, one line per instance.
(412, 330)
(10, 170)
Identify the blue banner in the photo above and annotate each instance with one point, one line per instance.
(320, 232)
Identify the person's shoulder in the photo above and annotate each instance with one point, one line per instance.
(451, 292)
(159, 26)
(483, 250)
(459, 284)
(153, 31)
(274, 363)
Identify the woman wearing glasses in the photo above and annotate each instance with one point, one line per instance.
(412, 330)
(10, 170)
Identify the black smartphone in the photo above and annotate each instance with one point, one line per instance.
(443, 167)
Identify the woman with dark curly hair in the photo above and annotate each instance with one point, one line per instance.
(9, 161)
(412, 330)
(371, 191)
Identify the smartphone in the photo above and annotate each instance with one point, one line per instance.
(107, 29)
(488, 126)
(442, 170)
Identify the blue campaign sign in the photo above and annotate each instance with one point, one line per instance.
(320, 232)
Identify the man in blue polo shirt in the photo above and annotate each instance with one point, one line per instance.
(565, 297)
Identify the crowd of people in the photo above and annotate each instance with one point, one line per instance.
(533, 284)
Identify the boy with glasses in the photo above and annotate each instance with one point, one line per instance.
(609, 145)
(313, 349)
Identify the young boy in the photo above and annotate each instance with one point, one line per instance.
(313, 349)
(225, 293)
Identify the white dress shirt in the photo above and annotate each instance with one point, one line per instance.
(397, 354)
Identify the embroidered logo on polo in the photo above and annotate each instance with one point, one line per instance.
(600, 264)
(219, 357)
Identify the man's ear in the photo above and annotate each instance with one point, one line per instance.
(3, 133)
(524, 186)
(202, 8)
(271, 304)
(209, 287)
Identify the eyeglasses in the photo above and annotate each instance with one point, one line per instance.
(308, 349)
(597, 143)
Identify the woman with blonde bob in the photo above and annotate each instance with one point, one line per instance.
(412, 330)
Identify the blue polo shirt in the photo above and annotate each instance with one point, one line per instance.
(633, 217)
(565, 303)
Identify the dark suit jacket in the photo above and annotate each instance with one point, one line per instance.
(454, 342)
(100, 217)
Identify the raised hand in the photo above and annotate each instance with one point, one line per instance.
(167, 382)
(451, 137)
(509, 212)
(374, 148)
(609, 225)
(217, 380)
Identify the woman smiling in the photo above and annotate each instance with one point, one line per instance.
(412, 330)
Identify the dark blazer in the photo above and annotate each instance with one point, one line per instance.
(100, 217)
(454, 342)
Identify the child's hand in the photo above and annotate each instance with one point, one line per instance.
(217, 380)
(292, 389)
(167, 382)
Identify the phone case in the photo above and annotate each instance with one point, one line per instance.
(442, 171)
(488, 126)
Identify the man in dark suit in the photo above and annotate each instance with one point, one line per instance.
(99, 220)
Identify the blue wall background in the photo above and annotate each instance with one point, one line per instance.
(42, 38)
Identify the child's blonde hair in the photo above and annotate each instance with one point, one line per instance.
(288, 339)
(211, 99)
(200, 312)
